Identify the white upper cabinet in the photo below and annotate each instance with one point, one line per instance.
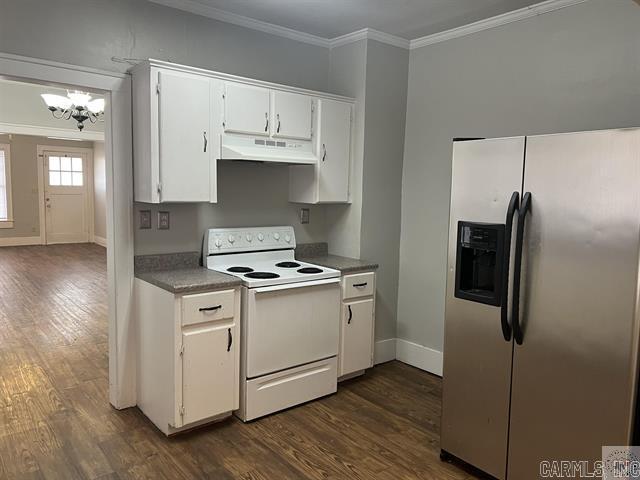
(328, 182)
(185, 137)
(246, 109)
(291, 115)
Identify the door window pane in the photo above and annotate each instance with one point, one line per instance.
(77, 179)
(76, 164)
(65, 164)
(54, 163)
(54, 178)
(65, 178)
(65, 171)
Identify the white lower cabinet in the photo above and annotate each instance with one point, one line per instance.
(357, 324)
(189, 363)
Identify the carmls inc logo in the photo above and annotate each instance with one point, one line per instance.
(621, 462)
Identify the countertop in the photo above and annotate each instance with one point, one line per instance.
(189, 280)
(344, 264)
(180, 272)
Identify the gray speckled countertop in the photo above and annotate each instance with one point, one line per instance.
(318, 253)
(189, 280)
(344, 264)
(181, 273)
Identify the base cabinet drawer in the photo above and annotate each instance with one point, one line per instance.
(207, 307)
(358, 285)
(356, 349)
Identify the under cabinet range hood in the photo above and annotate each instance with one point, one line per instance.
(242, 147)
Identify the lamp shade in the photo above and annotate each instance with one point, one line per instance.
(56, 101)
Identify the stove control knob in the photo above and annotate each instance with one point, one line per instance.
(218, 242)
(276, 236)
(231, 239)
(249, 237)
(287, 238)
(260, 237)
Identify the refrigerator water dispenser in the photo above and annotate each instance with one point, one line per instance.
(479, 259)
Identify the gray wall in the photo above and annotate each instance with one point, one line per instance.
(99, 191)
(348, 76)
(574, 69)
(24, 181)
(140, 29)
(386, 100)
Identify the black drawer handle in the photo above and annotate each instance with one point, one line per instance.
(210, 309)
(360, 285)
(229, 340)
(350, 315)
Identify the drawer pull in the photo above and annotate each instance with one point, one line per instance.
(210, 309)
(360, 285)
(350, 316)
(229, 340)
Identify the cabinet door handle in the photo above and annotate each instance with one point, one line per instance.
(266, 125)
(209, 309)
(350, 315)
(324, 152)
(278, 128)
(360, 285)
(204, 135)
(229, 340)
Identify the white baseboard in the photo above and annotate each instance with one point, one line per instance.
(100, 241)
(19, 241)
(384, 351)
(419, 356)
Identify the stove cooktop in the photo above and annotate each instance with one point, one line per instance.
(258, 269)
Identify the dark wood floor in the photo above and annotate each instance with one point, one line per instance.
(56, 421)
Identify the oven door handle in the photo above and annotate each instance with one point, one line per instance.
(288, 286)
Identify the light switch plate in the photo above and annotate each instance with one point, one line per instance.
(163, 220)
(145, 219)
(304, 215)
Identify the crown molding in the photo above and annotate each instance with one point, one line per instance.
(193, 6)
(198, 8)
(369, 34)
(493, 22)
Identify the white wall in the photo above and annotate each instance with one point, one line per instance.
(99, 191)
(577, 68)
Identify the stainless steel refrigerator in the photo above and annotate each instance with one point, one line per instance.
(541, 331)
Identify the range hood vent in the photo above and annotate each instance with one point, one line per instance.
(236, 147)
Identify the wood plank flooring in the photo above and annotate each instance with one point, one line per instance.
(56, 421)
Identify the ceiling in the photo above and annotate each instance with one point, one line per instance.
(408, 19)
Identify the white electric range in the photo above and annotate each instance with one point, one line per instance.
(290, 317)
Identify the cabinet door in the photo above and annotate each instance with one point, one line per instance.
(334, 149)
(184, 133)
(291, 115)
(209, 371)
(357, 336)
(246, 109)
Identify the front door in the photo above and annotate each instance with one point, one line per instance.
(65, 197)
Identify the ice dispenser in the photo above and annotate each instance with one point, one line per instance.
(479, 262)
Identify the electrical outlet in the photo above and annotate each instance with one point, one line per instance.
(145, 219)
(163, 220)
(304, 215)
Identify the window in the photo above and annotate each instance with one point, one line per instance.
(6, 211)
(65, 171)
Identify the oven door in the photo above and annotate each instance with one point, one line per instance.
(290, 325)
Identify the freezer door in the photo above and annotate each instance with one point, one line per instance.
(477, 358)
(573, 374)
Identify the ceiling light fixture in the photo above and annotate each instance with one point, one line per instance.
(77, 105)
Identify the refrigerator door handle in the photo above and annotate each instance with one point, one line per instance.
(504, 313)
(525, 207)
